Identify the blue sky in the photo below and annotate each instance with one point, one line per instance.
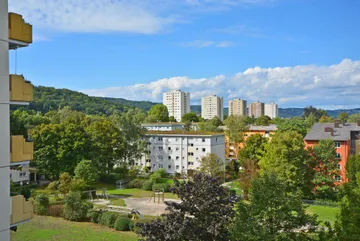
(294, 52)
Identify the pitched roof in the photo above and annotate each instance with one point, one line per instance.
(342, 133)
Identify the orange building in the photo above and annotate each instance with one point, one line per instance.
(266, 131)
(346, 137)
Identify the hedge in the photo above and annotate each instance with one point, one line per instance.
(136, 183)
(147, 185)
(56, 210)
(95, 216)
(41, 204)
(161, 186)
(122, 223)
(108, 219)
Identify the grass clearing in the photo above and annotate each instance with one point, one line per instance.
(118, 202)
(135, 192)
(324, 213)
(42, 228)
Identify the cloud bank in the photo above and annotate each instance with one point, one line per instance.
(334, 86)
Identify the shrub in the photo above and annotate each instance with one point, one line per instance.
(25, 191)
(132, 225)
(56, 210)
(136, 183)
(147, 185)
(108, 219)
(75, 208)
(177, 175)
(161, 186)
(324, 202)
(122, 223)
(41, 204)
(94, 216)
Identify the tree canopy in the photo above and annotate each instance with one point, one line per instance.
(159, 113)
(190, 117)
(212, 165)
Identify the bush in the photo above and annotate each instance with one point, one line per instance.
(56, 210)
(94, 216)
(108, 219)
(161, 186)
(177, 175)
(41, 204)
(136, 183)
(132, 225)
(25, 191)
(147, 185)
(324, 202)
(75, 208)
(122, 223)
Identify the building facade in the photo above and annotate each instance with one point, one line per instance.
(256, 109)
(180, 152)
(238, 107)
(14, 150)
(177, 103)
(271, 110)
(167, 126)
(346, 137)
(212, 106)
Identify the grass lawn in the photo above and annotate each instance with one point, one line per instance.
(324, 213)
(135, 192)
(42, 228)
(117, 202)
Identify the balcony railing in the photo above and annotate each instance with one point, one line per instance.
(18, 29)
(20, 150)
(20, 89)
(21, 210)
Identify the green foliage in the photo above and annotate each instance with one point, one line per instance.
(108, 219)
(94, 216)
(253, 149)
(207, 126)
(172, 119)
(236, 127)
(134, 172)
(136, 183)
(147, 185)
(343, 116)
(273, 213)
(157, 113)
(285, 155)
(216, 121)
(248, 173)
(122, 223)
(212, 165)
(64, 183)
(294, 124)
(326, 119)
(161, 186)
(263, 121)
(325, 163)
(56, 210)
(17, 126)
(25, 191)
(41, 204)
(318, 113)
(85, 170)
(78, 185)
(354, 118)
(76, 209)
(190, 117)
(352, 170)
(232, 169)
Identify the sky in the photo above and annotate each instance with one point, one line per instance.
(292, 52)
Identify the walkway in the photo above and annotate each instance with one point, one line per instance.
(147, 208)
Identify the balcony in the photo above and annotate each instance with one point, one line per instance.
(21, 152)
(20, 33)
(20, 90)
(21, 210)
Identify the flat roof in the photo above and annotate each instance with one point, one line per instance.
(342, 133)
(163, 124)
(271, 127)
(184, 133)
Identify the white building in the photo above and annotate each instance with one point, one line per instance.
(177, 153)
(256, 109)
(177, 102)
(237, 107)
(212, 106)
(20, 175)
(164, 126)
(271, 110)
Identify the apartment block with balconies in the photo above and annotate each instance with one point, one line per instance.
(15, 151)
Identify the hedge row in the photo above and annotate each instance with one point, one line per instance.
(117, 221)
(148, 185)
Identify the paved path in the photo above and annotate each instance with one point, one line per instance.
(147, 208)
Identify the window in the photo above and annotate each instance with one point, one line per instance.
(154, 165)
(190, 163)
(183, 157)
(169, 157)
(191, 144)
(169, 166)
(160, 138)
(177, 158)
(338, 166)
(177, 148)
(338, 155)
(197, 149)
(337, 144)
(160, 165)
(176, 139)
(204, 149)
(177, 167)
(245, 135)
(190, 154)
(160, 148)
(203, 139)
(169, 148)
(338, 178)
(161, 158)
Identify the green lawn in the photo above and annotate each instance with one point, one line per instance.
(324, 213)
(135, 192)
(118, 202)
(51, 229)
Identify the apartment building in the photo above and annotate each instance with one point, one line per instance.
(177, 102)
(256, 109)
(238, 107)
(168, 126)
(212, 106)
(179, 152)
(271, 110)
(346, 137)
(15, 151)
(230, 146)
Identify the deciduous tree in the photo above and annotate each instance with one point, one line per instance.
(191, 117)
(86, 170)
(236, 126)
(254, 148)
(212, 165)
(294, 124)
(158, 112)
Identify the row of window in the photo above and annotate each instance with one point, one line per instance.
(176, 139)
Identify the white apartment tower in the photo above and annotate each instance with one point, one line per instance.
(238, 107)
(14, 150)
(177, 102)
(271, 110)
(212, 106)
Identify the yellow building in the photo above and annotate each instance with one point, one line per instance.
(15, 151)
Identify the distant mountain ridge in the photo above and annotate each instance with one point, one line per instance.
(50, 98)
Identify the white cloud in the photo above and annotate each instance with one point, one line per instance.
(225, 44)
(297, 86)
(208, 43)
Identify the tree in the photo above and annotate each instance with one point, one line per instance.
(17, 127)
(85, 170)
(273, 213)
(76, 209)
(354, 118)
(249, 171)
(212, 165)
(232, 169)
(310, 120)
(253, 149)
(157, 113)
(352, 170)
(207, 126)
(317, 112)
(64, 183)
(294, 124)
(203, 213)
(263, 121)
(191, 117)
(285, 154)
(325, 163)
(236, 126)
(326, 119)
(172, 119)
(216, 121)
(343, 116)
